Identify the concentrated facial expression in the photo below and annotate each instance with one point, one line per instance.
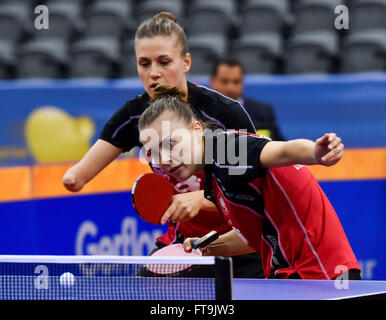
(159, 61)
(172, 145)
(228, 81)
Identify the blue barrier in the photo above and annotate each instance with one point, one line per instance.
(92, 224)
(360, 208)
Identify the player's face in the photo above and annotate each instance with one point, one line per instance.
(159, 61)
(172, 145)
(228, 81)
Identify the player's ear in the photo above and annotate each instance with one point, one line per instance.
(197, 126)
(198, 131)
(187, 62)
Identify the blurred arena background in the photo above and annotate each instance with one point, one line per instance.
(59, 86)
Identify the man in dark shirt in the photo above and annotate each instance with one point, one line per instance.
(227, 78)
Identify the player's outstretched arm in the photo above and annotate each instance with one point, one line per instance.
(95, 160)
(327, 150)
(228, 244)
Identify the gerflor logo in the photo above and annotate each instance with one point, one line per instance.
(128, 241)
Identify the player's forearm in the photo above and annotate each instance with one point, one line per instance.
(95, 160)
(207, 205)
(327, 151)
(280, 153)
(100, 155)
(300, 151)
(228, 244)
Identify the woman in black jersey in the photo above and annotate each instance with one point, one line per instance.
(163, 58)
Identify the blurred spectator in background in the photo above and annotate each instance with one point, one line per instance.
(227, 78)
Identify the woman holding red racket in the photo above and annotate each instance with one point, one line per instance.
(272, 201)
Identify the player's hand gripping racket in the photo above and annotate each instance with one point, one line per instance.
(151, 195)
(177, 250)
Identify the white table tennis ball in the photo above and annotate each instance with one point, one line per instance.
(67, 279)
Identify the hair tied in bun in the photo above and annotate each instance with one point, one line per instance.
(166, 15)
(166, 91)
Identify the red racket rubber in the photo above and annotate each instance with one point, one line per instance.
(151, 195)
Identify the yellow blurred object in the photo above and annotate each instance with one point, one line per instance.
(264, 132)
(53, 135)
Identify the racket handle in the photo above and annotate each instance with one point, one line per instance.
(205, 240)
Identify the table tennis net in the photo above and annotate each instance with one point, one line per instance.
(114, 278)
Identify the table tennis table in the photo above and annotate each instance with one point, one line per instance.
(243, 289)
(278, 289)
(120, 278)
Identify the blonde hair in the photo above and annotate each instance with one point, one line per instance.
(163, 24)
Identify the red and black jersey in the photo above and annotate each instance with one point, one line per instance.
(281, 212)
(201, 224)
(122, 131)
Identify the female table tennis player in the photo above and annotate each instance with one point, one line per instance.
(163, 58)
(280, 212)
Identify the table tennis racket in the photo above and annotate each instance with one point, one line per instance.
(177, 250)
(151, 195)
